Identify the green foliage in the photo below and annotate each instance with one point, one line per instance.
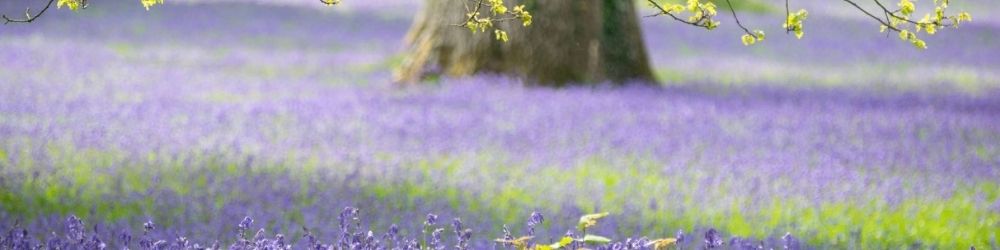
(595, 239)
(498, 12)
(565, 241)
(148, 3)
(752, 6)
(71, 4)
(86, 187)
(794, 21)
(590, 220)
(906, 7)
(501, 35)
(519, 243)
(902, 21)
(485, 14)
(750, 39)
(701, 14)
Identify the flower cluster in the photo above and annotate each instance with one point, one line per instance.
(752, 38)
(701, 13)
(476, 21)
(793, 22)
(484, 14)
(326, 2)
(71, 4)
(354, 236)
(149, 3)
(902, 20)
(75, 5)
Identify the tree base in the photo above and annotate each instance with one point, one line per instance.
(571, 42)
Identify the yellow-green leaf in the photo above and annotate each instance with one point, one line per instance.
(565, 241)
(906, 7)
(964, 16)
(330, 2)
(919, 43)
(661, 244)
(748, 40)
(150, 3)
(594, 239)
(590, 220)
(519, 243)
(71, 4)
(501, 35)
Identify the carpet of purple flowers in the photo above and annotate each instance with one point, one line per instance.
(262, 126)
(353, 235)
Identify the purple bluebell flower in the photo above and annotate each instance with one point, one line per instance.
(148, 226)
(436, 241)
(279, 241)
(713, 239)
(431, 220)
(181, 242)
(790, 242)
(74, 229)
(535, 219)
(243, 226)
(160, 244)
(462, 234)
(125, 237)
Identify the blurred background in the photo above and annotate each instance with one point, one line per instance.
(196, 113)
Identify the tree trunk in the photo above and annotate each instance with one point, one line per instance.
(570, 42)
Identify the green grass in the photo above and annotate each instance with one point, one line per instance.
(645, 200)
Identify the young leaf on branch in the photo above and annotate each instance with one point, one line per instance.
(70, 4)
(329, 2)
(484, 14)
(701, 14)
(498, 12)
(150, 3)
(793, 22)
(901, 20)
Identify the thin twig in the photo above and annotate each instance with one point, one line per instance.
(732, 10)
(787, 13)
(472, 15)
(887, 34)
(893, 14)
(493, 18)
(666, 12)
(27, 13)
(889, 15)
(883, 22)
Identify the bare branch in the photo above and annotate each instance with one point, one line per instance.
(787, 13)
(732, 10)
(472, 14)
(697, 23)
(27, 13)
(893, 14)
(883, 22)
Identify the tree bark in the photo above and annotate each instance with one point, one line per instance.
(570, 42)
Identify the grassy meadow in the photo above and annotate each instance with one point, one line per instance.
(198, 115)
